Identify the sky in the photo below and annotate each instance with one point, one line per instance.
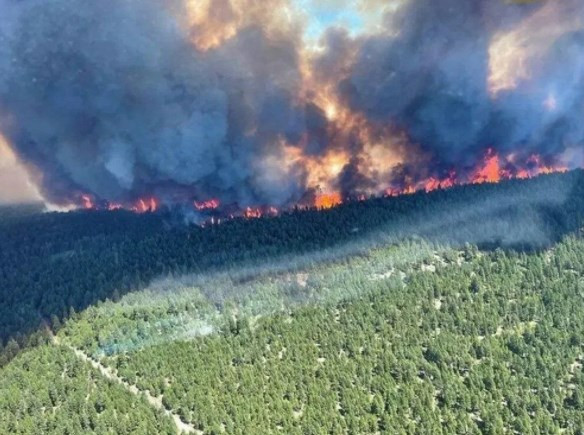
(15, 185)
(356, 16)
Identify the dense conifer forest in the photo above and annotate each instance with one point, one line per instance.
(457, 311)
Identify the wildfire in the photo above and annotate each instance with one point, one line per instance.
(87, 202)
(328, 200)
(211, 204)
(491, 171)
(274, 106)
(395, 191)
(252, 213)
(145, 205)
(495, 169)
(356, 143)
(435, 183)
(492, 168)
(539, 168)
(114, 206)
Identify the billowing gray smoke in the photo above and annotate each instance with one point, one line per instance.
(429, 73)
(109, 97)
(112, 98)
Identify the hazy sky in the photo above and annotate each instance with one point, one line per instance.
(14, 182)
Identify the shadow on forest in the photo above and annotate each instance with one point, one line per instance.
(56, 264)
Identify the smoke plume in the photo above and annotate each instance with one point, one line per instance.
(113, 101)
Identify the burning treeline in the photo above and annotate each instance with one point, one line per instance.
(236, 104)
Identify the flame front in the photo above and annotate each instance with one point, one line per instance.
(328, 200)
(211, 204)
(491, 169)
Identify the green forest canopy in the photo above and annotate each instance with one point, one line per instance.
(388, 333)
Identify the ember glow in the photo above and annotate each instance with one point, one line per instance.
(328, 200)
(141, 205)
(211, 204)
(250, 107)
(88, 203)
(145, 205)
(490, 171)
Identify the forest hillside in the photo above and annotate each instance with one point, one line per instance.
(457, 311)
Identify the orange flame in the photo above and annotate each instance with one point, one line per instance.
(88, 203)
(145, 205)
(436, 183)
(211, 204)
(541, 168)
(490, 171)
(328, 200)
(252, 213)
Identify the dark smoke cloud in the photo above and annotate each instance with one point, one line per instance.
(111, 97)
(430, 78)
(428, 72)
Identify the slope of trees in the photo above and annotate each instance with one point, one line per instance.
(58, 263)
(48, 390)
(463, 342)
(188, 306)
(391, 334)
(494, 344)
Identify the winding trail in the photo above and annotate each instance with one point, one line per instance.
(109, 373)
